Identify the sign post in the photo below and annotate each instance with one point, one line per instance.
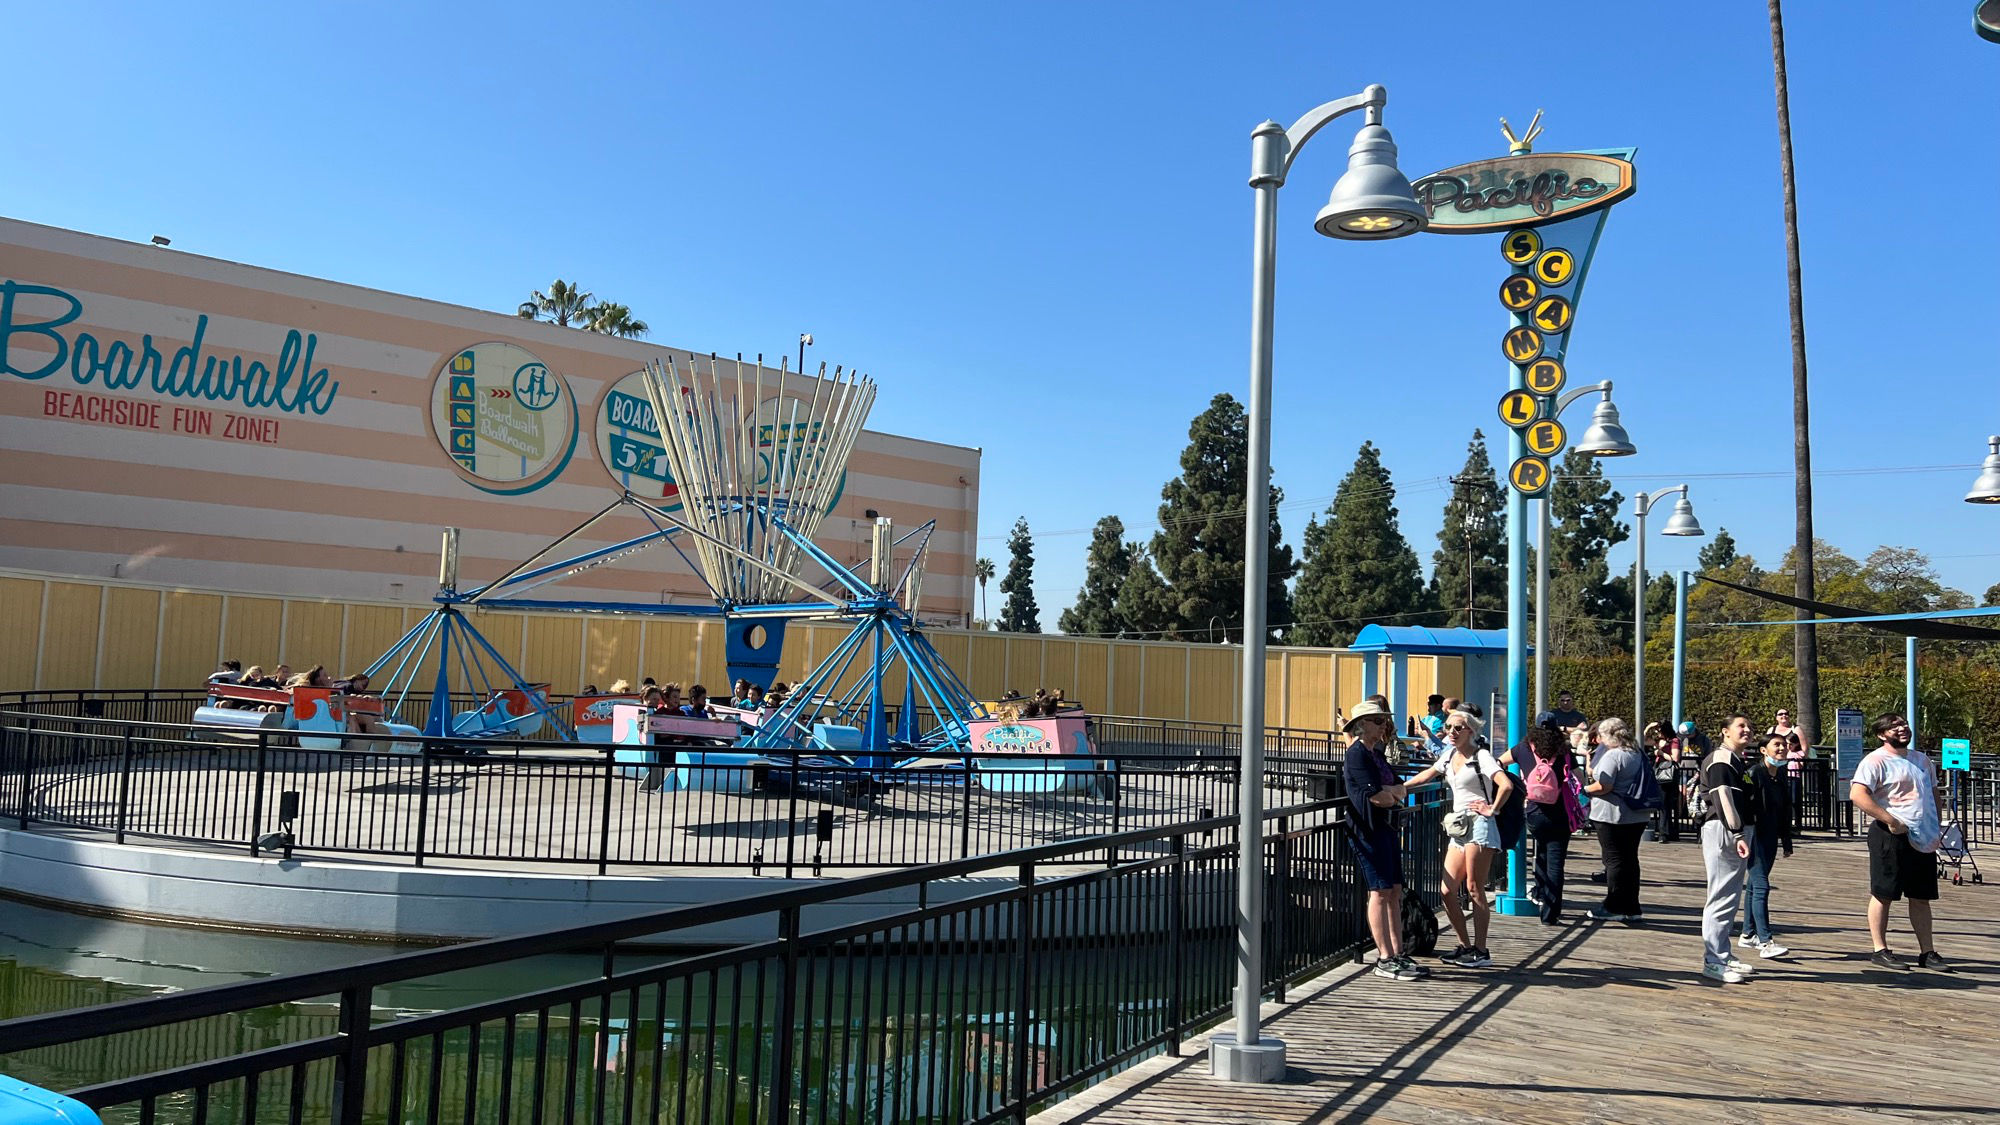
(1548, 210)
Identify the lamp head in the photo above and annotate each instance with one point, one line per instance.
(1682, 522)
(1372, 199)
(1606, 436)
(1986, 490)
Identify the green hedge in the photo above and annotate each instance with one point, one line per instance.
(1955, 698)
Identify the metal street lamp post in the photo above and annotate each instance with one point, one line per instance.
(1606, 437)
(1682, 522)
(1371, 200)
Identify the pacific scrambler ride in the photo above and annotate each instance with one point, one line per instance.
(758, 462)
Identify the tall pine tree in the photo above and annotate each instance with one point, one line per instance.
(1018, 614)
(1199, 548)
(1718, 552)
(1474, 533)
(1358, 567)
(1104, 569)
(1584, 606)
(1142, 598)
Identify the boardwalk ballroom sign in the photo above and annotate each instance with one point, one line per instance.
(1525, 190)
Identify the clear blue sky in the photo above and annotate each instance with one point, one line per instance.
(1030, 222)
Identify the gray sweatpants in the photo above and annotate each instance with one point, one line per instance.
(1725, 891)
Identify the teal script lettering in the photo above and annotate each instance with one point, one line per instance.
(294, 385)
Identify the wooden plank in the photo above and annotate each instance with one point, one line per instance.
(1591, 1022)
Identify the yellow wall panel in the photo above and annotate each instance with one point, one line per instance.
(1127, 679)
(1213, 686)
(250, 631)
(1422, 673)
(1093, 676)
(610, 650)
(1165, 692)
(1351, 670)
(1451, 677)
(1024, 664)
(312, 636)
(1309, 690)
(69, 636)
(1059, 665)
(131, 630)
(21, 625)
(189, 638)
(371, 629)
(554, 654)
(712, 667)
(989, 665)
(670, 654)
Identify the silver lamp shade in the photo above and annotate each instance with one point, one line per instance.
(1682, 522)
(1986, 490)
(1606, 436)
(1372, 199)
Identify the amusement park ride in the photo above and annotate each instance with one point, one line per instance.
(758, 464)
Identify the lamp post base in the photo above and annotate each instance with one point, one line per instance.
(1263, 1061)
(1515, 906)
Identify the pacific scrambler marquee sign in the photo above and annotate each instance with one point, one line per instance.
(1524, 190)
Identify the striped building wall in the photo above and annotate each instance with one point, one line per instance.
(193, 422)
(70, 634)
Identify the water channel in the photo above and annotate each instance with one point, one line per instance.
(698, 1043)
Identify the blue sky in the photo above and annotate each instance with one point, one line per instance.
(1030, 222)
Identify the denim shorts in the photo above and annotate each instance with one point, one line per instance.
(1485, 833)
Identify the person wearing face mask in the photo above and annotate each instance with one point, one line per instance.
(1771, 789)
(1725, 847)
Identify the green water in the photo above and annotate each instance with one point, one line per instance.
(698, 1050)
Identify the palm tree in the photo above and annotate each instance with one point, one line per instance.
(563, 303)
(613, 319)
(1805, 639)
(983, 570)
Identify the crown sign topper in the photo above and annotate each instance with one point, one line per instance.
(1525, 143)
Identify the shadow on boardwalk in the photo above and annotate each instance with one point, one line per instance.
(1613, 1023)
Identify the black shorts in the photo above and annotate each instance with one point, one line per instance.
(1897, 870)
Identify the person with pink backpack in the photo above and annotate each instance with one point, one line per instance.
(1554, 812)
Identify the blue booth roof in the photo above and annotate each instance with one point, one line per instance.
(1419, 639)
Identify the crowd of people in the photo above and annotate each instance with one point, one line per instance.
(694, 703)
(1742, 790)
(233, 673)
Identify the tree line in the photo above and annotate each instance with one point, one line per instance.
(1356, 567)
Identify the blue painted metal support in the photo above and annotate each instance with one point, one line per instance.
(438, 720)
(1910, 685)
(1681, 579)
(757, 663)
(877, 738)
(1513, 901)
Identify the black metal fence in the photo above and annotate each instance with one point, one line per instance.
(96, 761)
(978, 1004)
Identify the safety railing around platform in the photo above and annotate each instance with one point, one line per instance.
(969, 991)
(92, 762)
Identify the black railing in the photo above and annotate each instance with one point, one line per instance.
(986, 998)
(91, 761)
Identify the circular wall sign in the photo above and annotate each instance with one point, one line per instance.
(1554, 267)
(1519, 408)
(1545, 438)
(508, 423)
(1545, 376)
(1552, 314)
(1518, 293)
(628, 442)
(1522, 345)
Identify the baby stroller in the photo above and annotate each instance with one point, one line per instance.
(1955, 854)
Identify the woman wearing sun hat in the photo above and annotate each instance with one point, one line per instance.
(1374, 793)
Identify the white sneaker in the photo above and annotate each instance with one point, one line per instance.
(1744, 967)
(1771, 949)
(1724, 973)
(1747, 939)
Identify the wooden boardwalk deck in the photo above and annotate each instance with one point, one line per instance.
(1613, 1023)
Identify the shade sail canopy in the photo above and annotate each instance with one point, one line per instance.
(1931, 626)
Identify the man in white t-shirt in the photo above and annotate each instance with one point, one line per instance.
(1895, 787)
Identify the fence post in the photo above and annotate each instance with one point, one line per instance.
(965, 809)
(1274, 962)
(124, 784)
(1024, 936)
(27, 766)
(792, 819)
(788, 987)
(604, 812)
(1177, 947)
(257, 800)
(423, 799)
(350, 1066)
